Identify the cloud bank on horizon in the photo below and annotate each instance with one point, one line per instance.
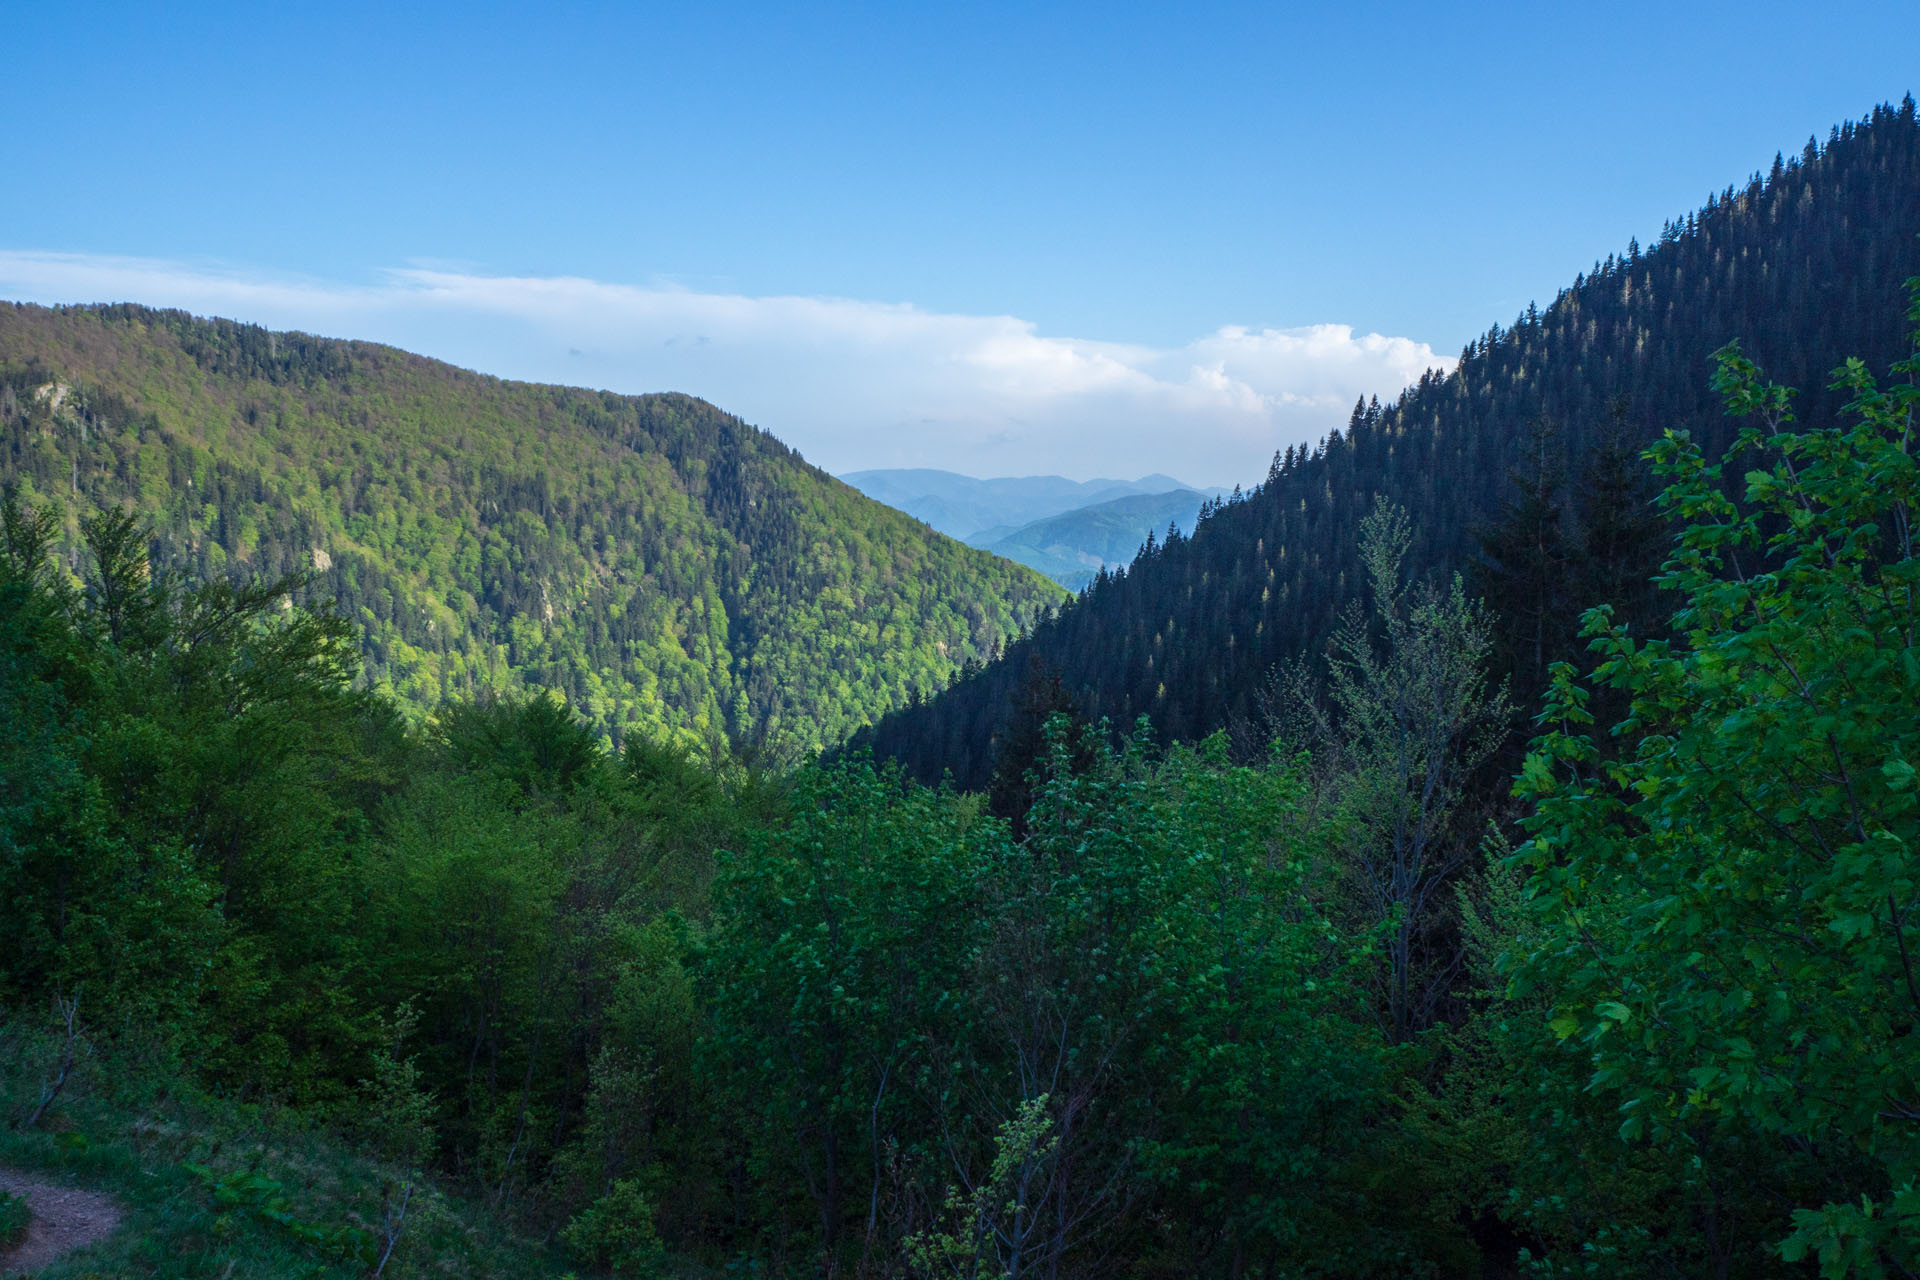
(852, 384)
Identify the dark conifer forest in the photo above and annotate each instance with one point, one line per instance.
(1804, 266)
(1484, 848)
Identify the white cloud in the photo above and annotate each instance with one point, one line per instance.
(852, 384)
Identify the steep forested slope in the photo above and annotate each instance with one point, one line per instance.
(659, 562)
(1804, 267)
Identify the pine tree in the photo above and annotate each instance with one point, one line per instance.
(1524, 571)
(1021, 747)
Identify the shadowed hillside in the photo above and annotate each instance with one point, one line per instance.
(1803, 265)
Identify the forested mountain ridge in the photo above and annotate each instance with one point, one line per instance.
(662, 564)
(1804, 266)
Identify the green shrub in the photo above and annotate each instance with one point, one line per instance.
(617, 1232)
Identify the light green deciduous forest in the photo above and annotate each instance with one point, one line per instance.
(660, 564)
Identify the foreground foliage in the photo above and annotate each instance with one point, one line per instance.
(1132, 1026)
(1724, 934)
(495, 950)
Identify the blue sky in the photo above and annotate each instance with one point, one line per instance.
(1086, 238)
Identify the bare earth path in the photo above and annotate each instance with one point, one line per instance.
(64, 1219)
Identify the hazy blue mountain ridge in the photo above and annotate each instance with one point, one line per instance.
(1073, 546)
(969, 508)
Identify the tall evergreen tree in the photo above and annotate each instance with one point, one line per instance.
(1622, 538)
(1020, 749)
(1525, 569)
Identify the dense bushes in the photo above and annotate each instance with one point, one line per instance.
(495, 947)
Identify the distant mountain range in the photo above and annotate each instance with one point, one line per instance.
(1067, 529)
(1075, 545)
(970, 509)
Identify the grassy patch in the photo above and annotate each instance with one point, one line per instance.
(218, 1188)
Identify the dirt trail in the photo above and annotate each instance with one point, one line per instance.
(64, 1219)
